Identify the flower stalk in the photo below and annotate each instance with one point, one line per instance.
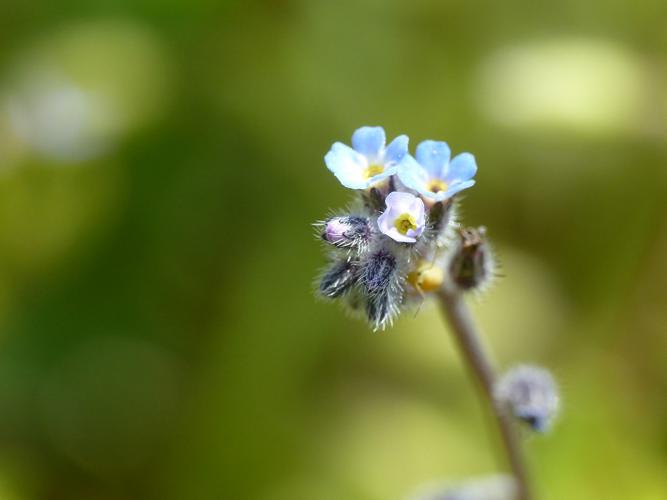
(468, 340)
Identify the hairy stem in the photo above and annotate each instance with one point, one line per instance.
(468, 339)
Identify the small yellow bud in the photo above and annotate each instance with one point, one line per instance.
(427, 278)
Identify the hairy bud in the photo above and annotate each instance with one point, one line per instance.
(373, 199)
(441, 220)
(500, 487)
(381, 283)
(339, 278)
(378, 271)
(346, 232)
(530, 394)
(379, 310)
(471, 262)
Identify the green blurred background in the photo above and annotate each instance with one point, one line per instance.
(160, 165)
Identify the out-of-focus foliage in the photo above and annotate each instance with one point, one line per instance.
(160, 165)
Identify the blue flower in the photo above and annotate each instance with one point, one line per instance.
(368, 161)
(432, 175)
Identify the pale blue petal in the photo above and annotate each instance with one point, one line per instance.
(457, 187)
(433, 156)
(369, 141)
(462, 168)
(347, 165)
(388, 172)
(444, 195)
(396, 150)
(400, 202)
(412, 174)
(428, 194)
(385, 221)
(393, 233)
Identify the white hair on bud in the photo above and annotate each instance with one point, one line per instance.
(382, 281)
(442, 224)
(338, 278)
(346, 232)
(470, 262)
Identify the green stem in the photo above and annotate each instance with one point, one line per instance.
(468, 340)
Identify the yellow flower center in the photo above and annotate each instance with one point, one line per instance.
(436, 185)
(373, 170)
(427, 277)
(405, 222)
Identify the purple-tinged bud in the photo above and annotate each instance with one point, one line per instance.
(381, 282)
(500, 487)
(471, 264)
(347, 231)
(530, 394)
(339, 278)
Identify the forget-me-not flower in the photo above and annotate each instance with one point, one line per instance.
(433, 175)
(368, 161)
(404, 219)
(394, 245)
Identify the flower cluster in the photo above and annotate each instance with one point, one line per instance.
(391, 248)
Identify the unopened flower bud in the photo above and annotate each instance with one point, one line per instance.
(347, 231)
(530, 394)
(441, 218)
(382, 286)
(339, 278)
(373, 198)
(379, 310)
(471, 263)
(378, 271)
(427, 277)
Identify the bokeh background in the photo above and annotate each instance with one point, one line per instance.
(160, 165)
